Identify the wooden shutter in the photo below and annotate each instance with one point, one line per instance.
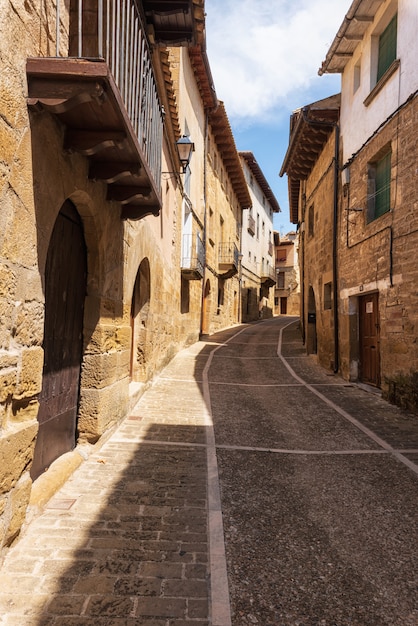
(387, 47)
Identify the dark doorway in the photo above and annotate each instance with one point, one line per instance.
(283, 306)
(311, 337)
(65, 290)
(369, 339)
(139, 320)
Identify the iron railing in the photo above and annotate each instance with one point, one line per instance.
(228, 254)
(193, 253)
(112, 31)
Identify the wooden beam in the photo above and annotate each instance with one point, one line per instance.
(127, 194)
(111, 171)
(90, 142)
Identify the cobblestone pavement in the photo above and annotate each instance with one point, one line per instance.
(316, 481)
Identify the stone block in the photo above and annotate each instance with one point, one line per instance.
(30, 376)
(29, 327)
(100, 409)
(100, 370)
(19, 500)
(24, 410)
(16, 453)
(8, 378)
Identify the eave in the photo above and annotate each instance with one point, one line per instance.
(175, 22)
(225, 143)
(310, 130)
(351, 32)
(257, 172)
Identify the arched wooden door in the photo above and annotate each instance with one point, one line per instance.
(206, 309)
(65, 290)
(311, 343)
(139, 316)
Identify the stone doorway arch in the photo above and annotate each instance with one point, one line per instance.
(139, 321)
(206, 308)
(311, 336)
(65, 292)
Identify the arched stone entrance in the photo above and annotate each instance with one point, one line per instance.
(206, 309)
(65, 291)
(311, 338)
(139, 316)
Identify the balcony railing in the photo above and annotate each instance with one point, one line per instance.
(228, 258)
(251, 225)
(267, 274)
(193, 257)
(102, 85)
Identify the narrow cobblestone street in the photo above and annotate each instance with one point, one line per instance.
(248, 486)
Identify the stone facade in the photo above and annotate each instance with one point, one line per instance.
(257, 265)
(139, 301)
(364, 252)
(287, 289)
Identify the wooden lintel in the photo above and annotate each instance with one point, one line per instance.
(127, 194)
(111, 172)
(89, 142)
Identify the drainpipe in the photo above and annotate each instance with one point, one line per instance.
(205, 141)
(336, 128)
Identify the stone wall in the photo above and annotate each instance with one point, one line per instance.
(316, 256)
(379, 256)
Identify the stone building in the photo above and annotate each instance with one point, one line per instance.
(312, 172)
(226, 198)
(287, 289)
(373, 278)
(257, 252)
(101, 270)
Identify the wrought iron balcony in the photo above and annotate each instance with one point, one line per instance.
(228, 259)
(101, 84)
(192, 257)
(267, 275)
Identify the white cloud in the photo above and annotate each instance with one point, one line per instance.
(263, 53)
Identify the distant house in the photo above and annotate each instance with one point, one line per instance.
(257, 251)
(373, 281)
(287, 289)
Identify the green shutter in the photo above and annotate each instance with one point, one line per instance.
(387, 47)
(382, 201)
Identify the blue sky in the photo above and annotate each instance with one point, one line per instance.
(264, 56)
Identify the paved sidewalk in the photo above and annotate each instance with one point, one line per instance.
(319, 488)
(125, 542)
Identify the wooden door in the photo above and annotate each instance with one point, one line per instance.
(65, 288)
(369, 339)
(283, 306)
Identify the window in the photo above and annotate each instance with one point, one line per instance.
(327, 296)
(378, 187)
(387, 47)
(280, 280)
(258, 226)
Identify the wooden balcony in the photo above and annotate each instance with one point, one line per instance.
(101, 86)
(228, 260)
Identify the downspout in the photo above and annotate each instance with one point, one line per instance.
(205, 143)
(336, 128)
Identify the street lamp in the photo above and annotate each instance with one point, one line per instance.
(185, 147)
